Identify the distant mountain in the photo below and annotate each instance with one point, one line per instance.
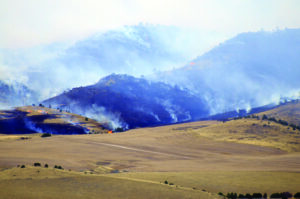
(134, 50)
(132, 102)
(250, 70)
(15, 94)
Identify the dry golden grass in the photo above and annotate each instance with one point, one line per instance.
(246, 155)
(289, 112)
(226, 181)
(51, 183)
(255, 132)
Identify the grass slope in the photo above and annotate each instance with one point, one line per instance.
(48, 183)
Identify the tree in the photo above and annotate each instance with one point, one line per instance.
(275, 195)
(248, 195)
(46, 135)
(297, 195)
(257, 195)
(37, 164)
(265, 196)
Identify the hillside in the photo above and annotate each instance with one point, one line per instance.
(130, 102)
(252, 69)
(289, 112)
(38, 119)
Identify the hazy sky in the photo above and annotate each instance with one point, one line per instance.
(30, 22)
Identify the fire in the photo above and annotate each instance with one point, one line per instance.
(109, 132)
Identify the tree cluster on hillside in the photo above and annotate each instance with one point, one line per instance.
(282, 195)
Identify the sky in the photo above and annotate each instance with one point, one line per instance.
(25, 23)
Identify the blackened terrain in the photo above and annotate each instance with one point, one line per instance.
(135, 101)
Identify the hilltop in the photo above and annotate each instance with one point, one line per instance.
(131, 102)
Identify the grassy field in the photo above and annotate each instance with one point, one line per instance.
(253, 131)
(289, 112)
(226, 181)
(51, 183)
(200, 159)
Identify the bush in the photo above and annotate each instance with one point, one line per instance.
(37, 164)
(23, 166)
(241, 196)
(257, 195)
(166, 182)
(44, 135)
(248, 195)
(58, 167)
(46, 166)
(220, 194)
(264, 117)
(286, 195)
(265, 195)
(275, 195)
(231, 195)
(86, 119)
(297, 195)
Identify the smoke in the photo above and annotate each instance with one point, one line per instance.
(135, 50)
(249, 70)
(98, 113)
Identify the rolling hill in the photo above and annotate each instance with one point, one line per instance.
(38, 119)
(250, 70)
(131, 102)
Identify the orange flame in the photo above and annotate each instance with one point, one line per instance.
(109, 132)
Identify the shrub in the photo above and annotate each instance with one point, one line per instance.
(231, 195)
(58, 167)
(257, 195)
(275, 195)
(86, 119)
(46, 166)
(297, 195)
(248, 195)
(166, 182)
(23, 166)
(286, 195)
(44, 135)
(37, 164)
(265, 195)
(220, 194)
(171, 183)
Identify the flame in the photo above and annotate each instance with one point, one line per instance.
(109, 132)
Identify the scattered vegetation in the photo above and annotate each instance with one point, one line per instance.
(166, 182)
(58, 167)
(46, 135)
(23, 166)
(271, 119)
(37, 164)
(46, 166)
(297, 195)
(283, 195)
